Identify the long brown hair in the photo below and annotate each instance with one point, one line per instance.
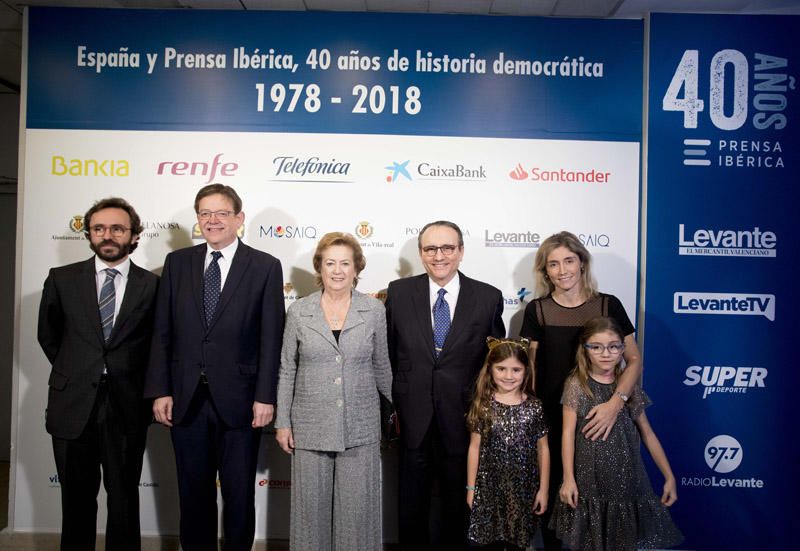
(480, 411)
(583, 362)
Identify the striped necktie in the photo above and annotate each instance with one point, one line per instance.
(107, 302)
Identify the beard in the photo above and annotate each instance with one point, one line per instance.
(120, 250)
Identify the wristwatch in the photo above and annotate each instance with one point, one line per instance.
(624, 397)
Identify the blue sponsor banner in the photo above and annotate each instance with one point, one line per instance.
(722, 272)
(270, 71)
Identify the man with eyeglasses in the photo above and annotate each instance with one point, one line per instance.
(95, 326)
(213, 369)
(437, 328)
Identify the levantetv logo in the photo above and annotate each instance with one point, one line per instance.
(736, 304)
(707, 242)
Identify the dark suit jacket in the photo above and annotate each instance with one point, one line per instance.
(239, 351)
(72, 339)
(425, 386)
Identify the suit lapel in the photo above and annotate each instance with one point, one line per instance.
(422, 306)
(461, 317)
(133, 294)
(239, 264)
(314, 318)
(198, 261)
(88, 296)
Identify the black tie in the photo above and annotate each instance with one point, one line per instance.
(211, 286)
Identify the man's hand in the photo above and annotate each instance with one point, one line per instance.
(262, 414)
(162, 410)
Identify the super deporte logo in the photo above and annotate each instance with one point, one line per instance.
(723, 379)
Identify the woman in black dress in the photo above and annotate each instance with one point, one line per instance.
(568, 298)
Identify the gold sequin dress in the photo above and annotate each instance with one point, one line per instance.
(508, 475)
(617, 509)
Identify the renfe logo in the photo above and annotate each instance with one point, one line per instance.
(705, 242)
(736, 304)
(184, 168)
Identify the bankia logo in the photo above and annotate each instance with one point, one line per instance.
(208, 170)
(398, 170)
(289, 168)
(559, 175)
(723, 379)
(514, 239)
(723, 454)
(62, 166)
(734, 304)
(727, 242)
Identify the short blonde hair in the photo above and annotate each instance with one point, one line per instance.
(339, 238)
(569, 240)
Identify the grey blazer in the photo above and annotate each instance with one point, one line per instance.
(328, 392)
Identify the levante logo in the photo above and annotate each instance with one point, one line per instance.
(735, 304)
(725, 242)
(723, 454)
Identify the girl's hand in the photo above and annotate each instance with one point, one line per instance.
(540, 502)
(569, 493)
(285, 440)
(670, 494)
(470, 497)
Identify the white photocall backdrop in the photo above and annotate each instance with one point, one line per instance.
(502, 209)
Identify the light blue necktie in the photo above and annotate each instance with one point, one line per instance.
(441, 322)
(212, 286)
(107, 302)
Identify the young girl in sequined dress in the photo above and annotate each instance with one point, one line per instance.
(606, 499)
(508, 461)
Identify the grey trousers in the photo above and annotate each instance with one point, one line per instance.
(336, 500)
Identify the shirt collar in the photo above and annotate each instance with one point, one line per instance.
(227, 252)
(451, 287)
(123, 267)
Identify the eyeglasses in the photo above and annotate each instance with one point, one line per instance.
(220, 214)
(116, 230)
(522, 342)
(447, 250)
(596, 348)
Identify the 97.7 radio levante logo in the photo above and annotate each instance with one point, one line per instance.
(755, 111)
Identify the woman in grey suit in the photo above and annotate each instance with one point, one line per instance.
(334, 363)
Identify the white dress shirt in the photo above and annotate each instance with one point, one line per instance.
(451, 296)
(224, 261)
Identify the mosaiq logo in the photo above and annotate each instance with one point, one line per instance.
(735, 304)
(288, 231)
(726, 242)
(723, 379)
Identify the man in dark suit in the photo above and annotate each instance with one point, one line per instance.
(95, 324)
(437, 324)
(213, 369)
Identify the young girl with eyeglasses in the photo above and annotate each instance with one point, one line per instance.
(606, 499)
(508, 462)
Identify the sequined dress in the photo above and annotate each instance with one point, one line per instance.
(508, 475)
(617, 509)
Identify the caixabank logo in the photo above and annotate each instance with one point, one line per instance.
(725, 380)
(723, 456)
